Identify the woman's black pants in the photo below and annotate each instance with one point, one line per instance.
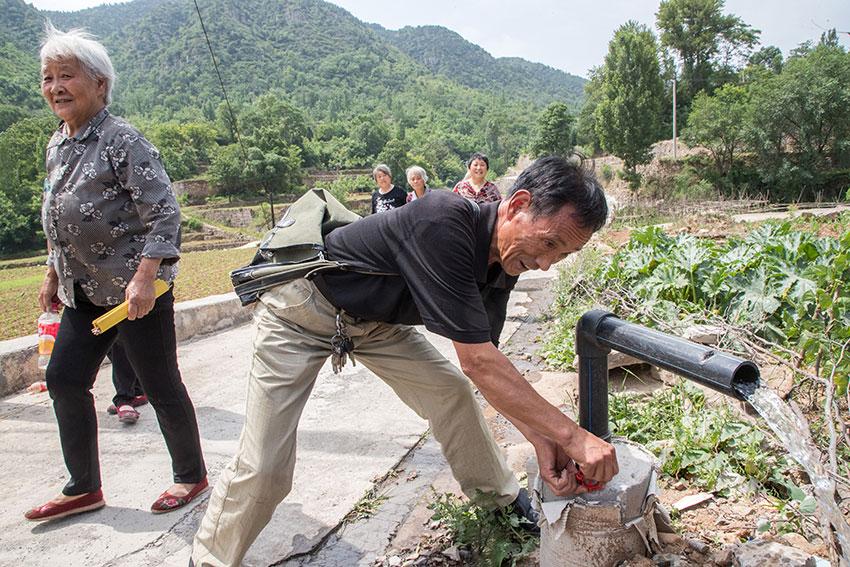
(151, 347)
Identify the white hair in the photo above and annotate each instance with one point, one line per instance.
(416, 170)
(80, 45)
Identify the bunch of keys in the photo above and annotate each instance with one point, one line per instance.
(342, 346)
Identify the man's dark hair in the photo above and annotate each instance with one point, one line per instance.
(478, 155)
(554, 182)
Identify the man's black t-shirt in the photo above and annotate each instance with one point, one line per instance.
(392, 199)
(439, 247)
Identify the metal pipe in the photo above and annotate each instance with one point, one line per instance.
(598, 332)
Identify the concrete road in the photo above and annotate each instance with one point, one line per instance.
(353, 431)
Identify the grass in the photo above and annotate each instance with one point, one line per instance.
(495, 536)
(201, 274)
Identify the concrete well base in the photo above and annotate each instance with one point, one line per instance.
(605, 527)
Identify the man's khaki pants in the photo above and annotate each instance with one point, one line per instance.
(295, 325)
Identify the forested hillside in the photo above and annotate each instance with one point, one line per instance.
(326, 60)
(311, 86)
(448, 54)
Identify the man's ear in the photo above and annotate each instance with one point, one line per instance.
(518, 202)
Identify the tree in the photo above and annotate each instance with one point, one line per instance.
(719, 124)
(555, 131)
(769, 57)
(273, 172)
(184, 147)
(706, 41)
(395, 156)
(22, 148)
(800, 126)
(226, 171)
(628, 114)
(585, 129)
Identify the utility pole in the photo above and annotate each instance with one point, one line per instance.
(674, 118)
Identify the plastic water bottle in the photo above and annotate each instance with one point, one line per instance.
(48, 326)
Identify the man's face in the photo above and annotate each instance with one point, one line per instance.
(527, 243)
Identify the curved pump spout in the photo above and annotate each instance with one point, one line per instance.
(598, 332)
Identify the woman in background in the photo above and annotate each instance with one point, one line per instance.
(387, 196)
(474, 186)
(416, 178)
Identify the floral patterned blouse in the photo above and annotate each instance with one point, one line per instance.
(488, 193)
(107, 203)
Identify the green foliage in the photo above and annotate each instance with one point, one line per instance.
(191, 223)
(22, 148)
(688, 184)
(572, 299)
(783, 284)
(226, 171)
(343, 187)
(586, 131)
(769, 58)
(719, 124)
(555, 131)
(793, 508)
(707, 445)
(184, 148)
(629, 111)
(494, 535)
(800, 128)
(446, 53)
(705, 40)
(607, 172)
(19, 78)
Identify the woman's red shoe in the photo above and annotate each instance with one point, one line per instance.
(52, 510)
(168, 502)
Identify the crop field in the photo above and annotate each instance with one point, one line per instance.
(201, 274)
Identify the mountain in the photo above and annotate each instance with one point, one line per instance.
(447, 53)
(325, 59)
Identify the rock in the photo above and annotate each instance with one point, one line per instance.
(725, 557)
(452, 553)
(618, 360)
(636, 561)
(798, 541)
(698, 546)
(778, 377)
(668, 539)
(394, 561)
(692, 501)
(703, 334)
(759, 552)
(668, 560)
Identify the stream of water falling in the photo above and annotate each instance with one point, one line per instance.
(794, 434)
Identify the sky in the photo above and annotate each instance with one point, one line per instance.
(566, 34)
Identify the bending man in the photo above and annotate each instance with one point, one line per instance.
(454, 263)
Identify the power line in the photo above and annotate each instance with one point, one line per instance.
(233, 125)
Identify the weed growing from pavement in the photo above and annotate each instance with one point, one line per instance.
(496, 537)
(366, 506)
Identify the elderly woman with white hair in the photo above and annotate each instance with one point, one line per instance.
(417, 179)
(113, 226)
